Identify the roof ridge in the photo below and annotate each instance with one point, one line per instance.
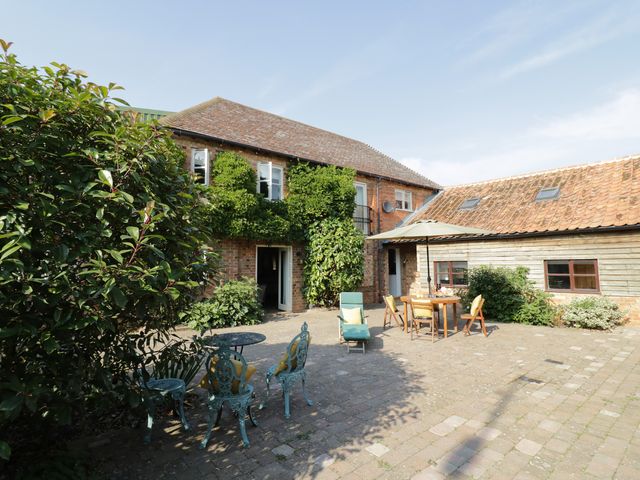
(545, 172)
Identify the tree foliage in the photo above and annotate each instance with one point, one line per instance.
(335, 261)
(102, 240)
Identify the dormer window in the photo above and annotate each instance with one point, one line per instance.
(470, 203)
(550, 193)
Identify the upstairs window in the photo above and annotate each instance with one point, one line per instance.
(548, 194)
(404, 200)
(270, 181)
(571, 275)
(361, 216)
(200, 164)
(470, 203)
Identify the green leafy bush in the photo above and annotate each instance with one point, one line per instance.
(179, 359)
(316, 193)
(592, 312)
(233, 303)
(236, 210)
(103, 239)
(335, 260)
(538, 309)
(509, 296)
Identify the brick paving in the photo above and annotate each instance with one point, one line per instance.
(524, 403)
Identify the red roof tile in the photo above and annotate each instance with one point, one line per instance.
(597, 195)
(229, 121)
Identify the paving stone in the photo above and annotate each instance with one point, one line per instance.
(455, 421)
(528, 447)
(284, 450)
(324, 460)
(442, 429)
(377, 449)
(609, 413)
(488, 433)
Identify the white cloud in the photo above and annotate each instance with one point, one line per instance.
(616, 119)
(608, 130)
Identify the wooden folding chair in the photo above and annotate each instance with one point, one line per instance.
(391, 311)
(422, 312)
(474, 314)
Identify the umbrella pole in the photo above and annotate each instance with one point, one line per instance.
(428, 266)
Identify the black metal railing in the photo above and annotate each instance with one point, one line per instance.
(362, 218)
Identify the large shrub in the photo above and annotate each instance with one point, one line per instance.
(593, 312)
(233, 303)
(335, 261)
(509, 296)
(102, 239)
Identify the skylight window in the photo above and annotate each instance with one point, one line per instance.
(470, 203)
(548, 194)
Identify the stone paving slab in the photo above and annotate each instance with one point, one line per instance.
(526, 402)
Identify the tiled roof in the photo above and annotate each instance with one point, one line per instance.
(229, 121)
(591, 196)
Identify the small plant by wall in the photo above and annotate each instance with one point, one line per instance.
(593, 312)
(233, 303)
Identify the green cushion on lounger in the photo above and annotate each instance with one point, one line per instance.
(355, 332)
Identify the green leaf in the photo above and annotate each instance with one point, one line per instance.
(134, 232)
(10, 252)
(100, 213)
(105, 177)
(116, 256)
(5, 450)
(119, 297)
(11, 404)
(10, 120)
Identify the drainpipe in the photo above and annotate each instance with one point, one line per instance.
(379, 244)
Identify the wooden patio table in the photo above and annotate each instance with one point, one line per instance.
(444, 301)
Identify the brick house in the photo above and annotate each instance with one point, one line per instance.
(387, 191)
(577, 229)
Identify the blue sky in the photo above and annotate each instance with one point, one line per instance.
(460, 91)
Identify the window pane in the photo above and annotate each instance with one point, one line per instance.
(408, 200)
(201, 173)
(276, 174)
(558, 266)
(559, 282)
(582, 267)
(263, 172)
(459, 267)
(276, 192)
(264, 188)
(199, 159)
(460, 279)
(585, 283)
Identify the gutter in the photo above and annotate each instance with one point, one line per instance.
(508, 236)
(181, 132)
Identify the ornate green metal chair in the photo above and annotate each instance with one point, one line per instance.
(352, 322)
(291, 368)
(227, 380)
(155, 391)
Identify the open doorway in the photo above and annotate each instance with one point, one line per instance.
(273, 274)
(394, 272)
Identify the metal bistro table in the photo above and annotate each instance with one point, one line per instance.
(237, 340)
(444, 301)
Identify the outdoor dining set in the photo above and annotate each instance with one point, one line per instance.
(227, 381)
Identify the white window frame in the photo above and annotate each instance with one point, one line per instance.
(363, 227)
(207, 163)
(407, 199)
(270, 180)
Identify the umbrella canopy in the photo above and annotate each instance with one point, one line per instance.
(425, 229)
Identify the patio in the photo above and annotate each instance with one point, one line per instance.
(526, 402)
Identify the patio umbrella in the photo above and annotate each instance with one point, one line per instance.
(425, 229)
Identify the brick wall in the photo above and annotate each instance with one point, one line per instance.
(239, 256)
